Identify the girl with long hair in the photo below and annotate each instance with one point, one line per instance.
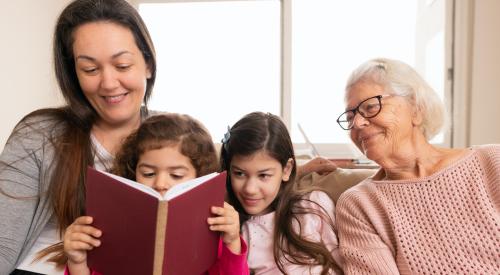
(258, 154)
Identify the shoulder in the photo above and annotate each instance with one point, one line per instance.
(316, 214)
(41, 120)
(35, 129)
(487, 147)
(361, 209)
(316, 198)
(489, 159)
(490, 150)
(488, 155)
(358, 196)
(317, 205)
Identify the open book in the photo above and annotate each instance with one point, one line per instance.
(144, 232)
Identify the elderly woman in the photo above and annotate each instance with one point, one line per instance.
(428, 210)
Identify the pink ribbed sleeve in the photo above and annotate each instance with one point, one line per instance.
(446, 223)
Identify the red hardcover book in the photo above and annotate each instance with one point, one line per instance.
(144, 232)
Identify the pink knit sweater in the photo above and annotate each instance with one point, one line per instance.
(446, 223)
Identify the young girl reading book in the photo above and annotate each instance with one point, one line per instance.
(287, 230)
(166, 150)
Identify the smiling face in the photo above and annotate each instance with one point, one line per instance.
(163, 168)
(256, 180)
(381, 136)
(111, 71)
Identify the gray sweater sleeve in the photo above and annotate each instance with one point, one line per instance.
(24, 206)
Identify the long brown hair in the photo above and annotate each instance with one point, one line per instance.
(170, 129)
(73, 150)
(260, 131)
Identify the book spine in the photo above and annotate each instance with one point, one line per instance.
(161, 225)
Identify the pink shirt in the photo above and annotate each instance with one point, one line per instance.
(258, 233)
(445, 223)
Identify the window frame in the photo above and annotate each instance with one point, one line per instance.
(453, 135)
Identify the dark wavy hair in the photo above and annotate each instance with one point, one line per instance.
(259, 131)
(73, 151)
(160, 131)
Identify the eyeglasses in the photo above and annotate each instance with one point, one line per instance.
(367, 108)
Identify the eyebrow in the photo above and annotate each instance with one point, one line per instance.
(259, 171)
(170, 167)
(86, 57)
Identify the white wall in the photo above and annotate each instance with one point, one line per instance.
(485, 92)
(26, 74)
(28, 83)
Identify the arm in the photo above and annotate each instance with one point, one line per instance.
(78, 239)
(25, 208)
(232, 259)
(319, 165)
(228, 223)
(230, 263)
(361, 247)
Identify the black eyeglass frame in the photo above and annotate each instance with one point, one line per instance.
(356, 110)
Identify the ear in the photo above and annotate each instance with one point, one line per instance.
(287, 170)
(417, 116)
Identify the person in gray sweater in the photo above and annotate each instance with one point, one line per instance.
(105, 66)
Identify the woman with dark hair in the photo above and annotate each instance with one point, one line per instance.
(428, 209)
(105, 66)
(287, 230)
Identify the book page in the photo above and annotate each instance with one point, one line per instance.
(139, 186)
(184, 187)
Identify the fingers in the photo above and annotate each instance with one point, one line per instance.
(228, 229)
(75, 238)
(227, 222)
(224, 220)
(226, 215)
(326, 168)
(83, 228)
(227, 219)
(321, 166)
(82, 236)
(83, 220)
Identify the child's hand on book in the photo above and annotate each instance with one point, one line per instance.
(79, 237)
(227, 222)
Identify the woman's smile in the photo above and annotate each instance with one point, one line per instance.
(115, 99)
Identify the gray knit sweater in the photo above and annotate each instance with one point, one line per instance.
(26, 165)
(25, 170)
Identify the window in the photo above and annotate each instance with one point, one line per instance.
(331, 38)
(218, 60)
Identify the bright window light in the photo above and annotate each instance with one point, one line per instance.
(331, 38)
(217, 61)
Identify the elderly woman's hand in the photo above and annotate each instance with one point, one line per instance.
(319, 165)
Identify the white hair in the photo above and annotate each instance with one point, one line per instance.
(401, 79)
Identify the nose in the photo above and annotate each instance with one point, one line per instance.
(359, 121)
(250, 186)
(162, 183)
(109, 79)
